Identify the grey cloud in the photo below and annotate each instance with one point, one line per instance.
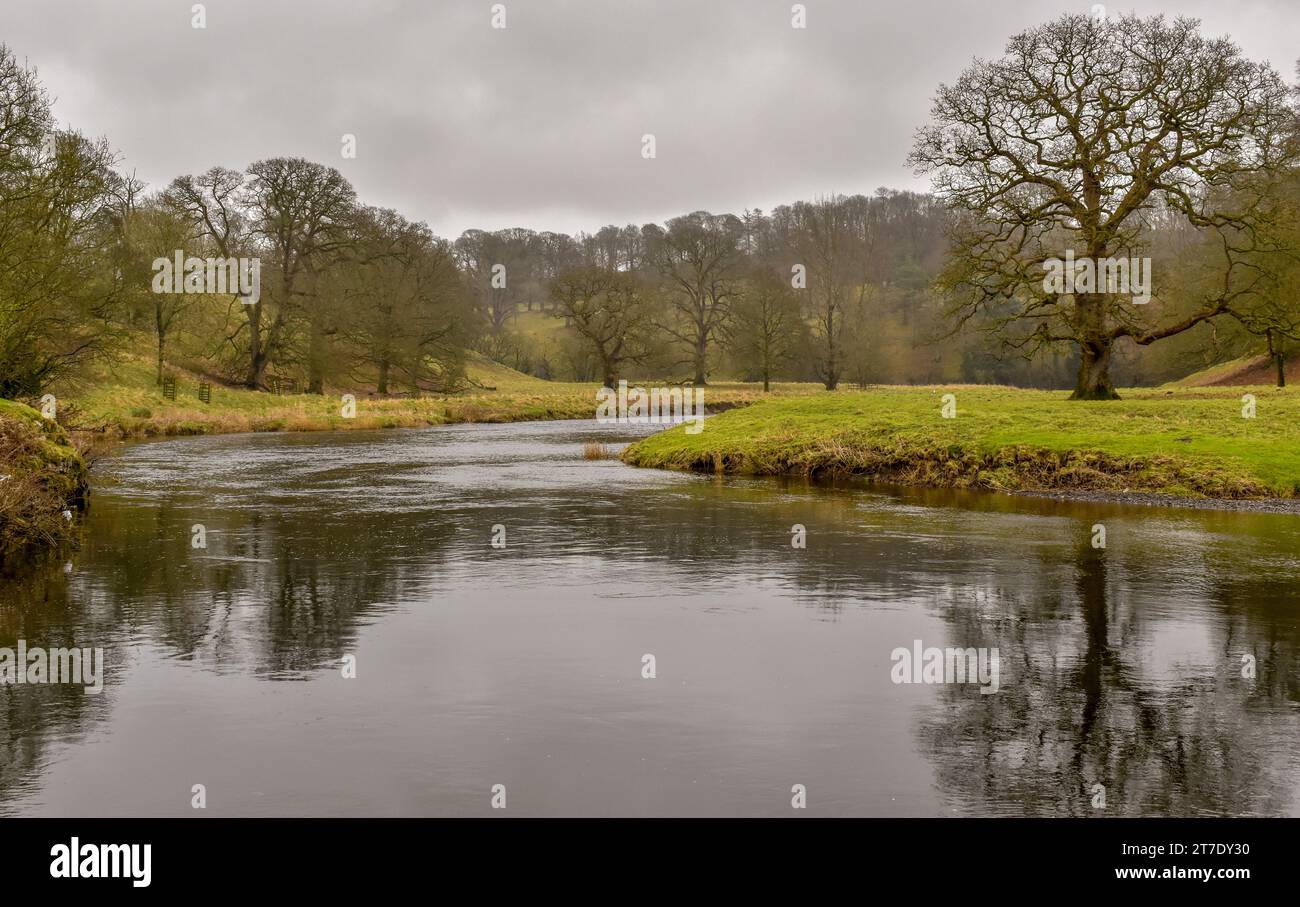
(539, 125)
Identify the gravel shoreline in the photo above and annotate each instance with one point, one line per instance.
(1242, 505)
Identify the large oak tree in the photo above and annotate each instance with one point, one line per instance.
(1076, 139)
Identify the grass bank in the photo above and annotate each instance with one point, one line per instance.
(42, 481)
(125, 402)
(1186, 442)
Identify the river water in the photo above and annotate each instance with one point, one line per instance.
(1156, 676)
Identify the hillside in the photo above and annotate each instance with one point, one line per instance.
(1246, 371)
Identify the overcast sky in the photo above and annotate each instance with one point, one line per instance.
(539, 124)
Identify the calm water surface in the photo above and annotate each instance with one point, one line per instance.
(522, 666)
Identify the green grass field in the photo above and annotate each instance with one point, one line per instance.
(1171, 440)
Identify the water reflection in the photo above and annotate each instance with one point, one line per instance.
(1121, 668)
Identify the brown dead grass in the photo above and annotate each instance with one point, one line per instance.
(595, 451)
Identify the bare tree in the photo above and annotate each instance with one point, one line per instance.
(301, 211)
(765, 325)
(1070, 142)
(700, 262)
(609, 310)
(499, 268)
(405, 312)
(214, 205)
(824, 241)
(155, 230)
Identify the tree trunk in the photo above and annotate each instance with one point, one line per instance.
(831, 376)
(1281, 369)
(1094, 347)
(316, 358)
(162, 339)
(256, 371)
(1094, 371)
(609, 373)
(701, 361)
(256, 356)
(382, 387)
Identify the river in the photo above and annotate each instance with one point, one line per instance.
(1156, 676)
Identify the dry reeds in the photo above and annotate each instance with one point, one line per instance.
(594, 450)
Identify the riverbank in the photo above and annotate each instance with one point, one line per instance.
(1177, 443)
(42, 481)
(126, 403)
(1183, 502)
